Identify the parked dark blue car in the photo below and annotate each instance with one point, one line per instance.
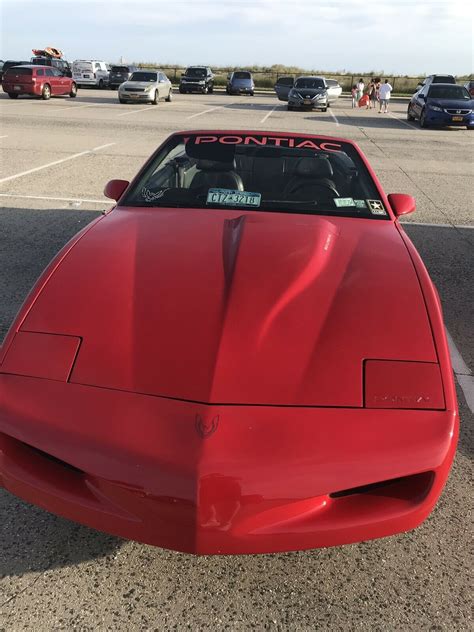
(442, 104)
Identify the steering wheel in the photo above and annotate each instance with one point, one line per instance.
(299, 186)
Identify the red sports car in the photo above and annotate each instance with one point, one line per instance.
(245, 355)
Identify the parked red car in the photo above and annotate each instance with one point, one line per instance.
(40, 81)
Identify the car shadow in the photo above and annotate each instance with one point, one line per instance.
(32, 539)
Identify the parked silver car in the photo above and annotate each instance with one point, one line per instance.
(240, 82)
(309, 93)
(334, 89)
(146, 85)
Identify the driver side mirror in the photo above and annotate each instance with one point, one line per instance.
(422, 97)
(114, 189)
(401, 203)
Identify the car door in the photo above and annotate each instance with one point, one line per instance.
(53, 80)
(419, 101)
(283, 87)
(63, 81)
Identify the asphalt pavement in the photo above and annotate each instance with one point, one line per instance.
(56, 157)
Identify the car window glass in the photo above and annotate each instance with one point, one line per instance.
(144, 76)
(306, 175)
(448, 92)
(39, 72)
(309, 83)
(49, 72)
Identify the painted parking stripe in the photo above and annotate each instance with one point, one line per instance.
(268, 114)
(55, 199)
(333, 116)
(462, 372)
(152, 107)
(410, 125)
(219, 107)
(55, 162)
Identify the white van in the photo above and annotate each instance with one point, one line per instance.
(90, 72)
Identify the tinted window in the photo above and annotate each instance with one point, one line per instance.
(49, 72)
(444, 79)
(39, 72)
(143, 76)
(18, 71)
(307, 82)
(287, 175)
(448, 92)
(119, 69)
(195, 72)
(285, 81)
(241, 75)
(331, 82)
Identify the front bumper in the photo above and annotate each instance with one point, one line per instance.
(444, 119)
(192, 87)
(220, 479)
(136, 96)
(303, 104)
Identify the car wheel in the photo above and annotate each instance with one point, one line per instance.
(156, 98)
(73, 92)
(13, 95)
(122, 100)
(410, 116)
(169, 98)
(423, 122)
(290, 108)
(211, 89)
(252, 93)
(46, 92)
(181, 91)
(101, 84)
(205, 90)
(324, 109)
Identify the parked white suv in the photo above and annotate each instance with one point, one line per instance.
(90, 72)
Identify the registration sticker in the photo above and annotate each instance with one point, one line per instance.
(230, 197)
(341, 202)
(360, 204)
(376, 207)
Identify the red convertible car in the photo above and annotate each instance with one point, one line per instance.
(245, 355)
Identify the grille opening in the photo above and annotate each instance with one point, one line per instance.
(54, 459)
(416, 484)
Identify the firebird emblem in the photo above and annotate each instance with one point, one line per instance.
(206, 427)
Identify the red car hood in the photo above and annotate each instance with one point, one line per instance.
(236, 307)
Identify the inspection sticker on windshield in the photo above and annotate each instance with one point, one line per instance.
(341, 202)
(229, 197)
(360, 204)
(376, 207)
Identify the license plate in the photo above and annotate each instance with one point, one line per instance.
(229, 197)
(86, 77)
(307, 101)
(457, 119)
(16, 87)
(134, 96)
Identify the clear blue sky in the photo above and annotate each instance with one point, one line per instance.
(401, 36)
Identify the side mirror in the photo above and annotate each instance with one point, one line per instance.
(115, 189)
(401, 203)
(422, 97)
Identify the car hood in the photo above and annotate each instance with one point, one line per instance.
(236, 307)
(138, 84)
(196, 79)
(452, 104)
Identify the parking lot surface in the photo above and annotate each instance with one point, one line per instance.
(56, 157)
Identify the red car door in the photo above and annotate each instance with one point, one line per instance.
(54, 80)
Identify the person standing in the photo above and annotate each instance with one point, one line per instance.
(354, 96)
(360, 89)
(384, 96)
(372, 91)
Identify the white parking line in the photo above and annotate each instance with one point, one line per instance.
(404, 122)
(152, 107)
(55, 162)
(462, 372)
(6, 136)
(55, 199)
(219, 107)
(74, 107)
(333, 116)
(268, 114)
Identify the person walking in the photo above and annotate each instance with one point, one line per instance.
(384, 95)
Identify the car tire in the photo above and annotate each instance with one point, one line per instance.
(205, 90)
(13, 95)
(46, 92)
(101, 84)
(324, 109)
(122, 100)
(423, 122)
(211, 89)
(290, 108)
(169, 98)
(181, 91)
(73, 93)
(410, 116)
(252, 94)
(156, 98)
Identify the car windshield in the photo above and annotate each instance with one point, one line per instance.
(285, 81)
(264, 173)
(143, 76)
(444, 79)
(241, 75)
(308, 82)
(195, 72)
(448, 92)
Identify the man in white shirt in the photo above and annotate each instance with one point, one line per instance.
(384, 96)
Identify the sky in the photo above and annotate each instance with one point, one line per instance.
(398, 37)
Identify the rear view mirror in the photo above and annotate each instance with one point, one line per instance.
(115, 189)
(401, 203)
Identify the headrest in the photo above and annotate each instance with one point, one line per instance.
(314, 168)
(213, 165)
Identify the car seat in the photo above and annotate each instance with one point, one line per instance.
(214, 174)
(312, 179)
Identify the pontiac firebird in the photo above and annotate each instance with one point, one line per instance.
(245, 355)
